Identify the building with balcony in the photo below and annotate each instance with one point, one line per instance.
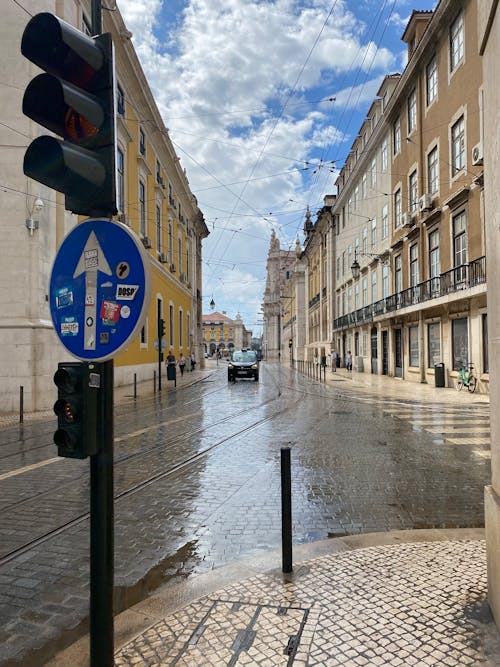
(410, 266)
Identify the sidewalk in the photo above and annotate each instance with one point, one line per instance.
(400, 598)
(396, 388)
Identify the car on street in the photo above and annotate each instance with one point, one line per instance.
(243, 363)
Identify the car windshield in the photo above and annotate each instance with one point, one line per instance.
(244, 355)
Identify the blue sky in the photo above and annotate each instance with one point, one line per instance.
(262, 100)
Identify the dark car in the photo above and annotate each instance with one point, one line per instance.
(243, 363)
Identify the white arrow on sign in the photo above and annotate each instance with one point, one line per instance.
(91, 261)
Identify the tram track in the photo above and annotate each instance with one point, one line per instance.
(143, 483)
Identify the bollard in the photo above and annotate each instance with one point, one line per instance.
(21, 404)
(286, 511)
(154, 382)
(135, 386)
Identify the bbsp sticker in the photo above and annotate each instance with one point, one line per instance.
(126, 292)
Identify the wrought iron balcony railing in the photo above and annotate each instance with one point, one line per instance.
(459, 278)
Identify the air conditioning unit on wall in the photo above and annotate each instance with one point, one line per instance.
(425, 203)
(146, 242)
(163, 258)
(406, 220)
(477, 155)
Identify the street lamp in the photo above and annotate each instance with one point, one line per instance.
(355, 267)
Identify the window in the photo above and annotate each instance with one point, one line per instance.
(142, 208)
(143, 336)
(433, 171)
(356, 296)
(458, 146)
(343, 262)
(413, 343)
(434, 262)
(431, 80)
(413, 188)
(374, 287)
(170, 241)
(385, 221)
(158, 228)
(397, 208)
(412, 111)
(383, 156)
(179, 249)
(356, 196)
(385, 281)
(181, 331)
(364, 290)
(460, 343)
(349, 254)
(459, 246)
(159, 179)
(373, 236)
(396, 137)
(373, 173)
(456, 42)
(120, 100)
(414, 265)
(398, 273)
(171, 324)
(120, 190)
(142, 142)
(433, 344)
(364, 240)
(363, 186)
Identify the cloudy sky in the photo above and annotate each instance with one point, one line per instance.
(262, 99)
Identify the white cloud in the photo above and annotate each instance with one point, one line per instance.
(238, 84)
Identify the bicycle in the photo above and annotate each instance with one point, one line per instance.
(467, 379)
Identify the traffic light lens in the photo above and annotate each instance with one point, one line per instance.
(65, 410)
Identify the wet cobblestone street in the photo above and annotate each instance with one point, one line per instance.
(197, 486)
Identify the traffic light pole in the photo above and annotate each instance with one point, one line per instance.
(102, 529)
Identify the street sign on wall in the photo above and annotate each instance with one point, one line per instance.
(99, 289)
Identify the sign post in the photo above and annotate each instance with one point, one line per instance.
(99, 296)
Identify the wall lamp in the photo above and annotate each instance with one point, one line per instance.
(31, 222)
(355, 267)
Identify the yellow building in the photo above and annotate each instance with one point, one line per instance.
(155, 200)
(222, 334)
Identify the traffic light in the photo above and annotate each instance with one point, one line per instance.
(74, 98)
(290, 342)
(76, 408)
(161, 329)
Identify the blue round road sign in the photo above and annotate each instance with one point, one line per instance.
(99, 289)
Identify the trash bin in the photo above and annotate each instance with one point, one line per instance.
(439, 375)
(171, 372)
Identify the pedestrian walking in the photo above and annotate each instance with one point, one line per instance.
(193, 361)
(333, 360)
(348, 361)
(182, 363)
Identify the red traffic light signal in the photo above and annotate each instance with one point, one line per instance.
(74, 98)
(76, 409)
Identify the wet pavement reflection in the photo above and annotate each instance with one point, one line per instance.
(197, 484)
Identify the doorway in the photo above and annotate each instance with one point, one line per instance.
(374, 354)
(398, 353)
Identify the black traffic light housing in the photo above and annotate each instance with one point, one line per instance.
(290, 342)
(74, 98)
(78, 385)
(161, 329)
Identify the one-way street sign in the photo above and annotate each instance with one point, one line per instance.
(99, 289)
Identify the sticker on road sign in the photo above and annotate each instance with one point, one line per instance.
(125, 312)
(122, 270)
(126, 292)
(64, 297)
(110, 311)
(69, 327)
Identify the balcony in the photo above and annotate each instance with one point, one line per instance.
(459, 278)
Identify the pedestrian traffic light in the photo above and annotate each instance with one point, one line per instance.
(161, 329)
(74, 98)
(290, 342)
(76, 409)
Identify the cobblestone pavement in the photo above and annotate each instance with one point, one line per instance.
(362, 461)
(408, 598)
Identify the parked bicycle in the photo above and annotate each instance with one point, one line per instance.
(467, 379)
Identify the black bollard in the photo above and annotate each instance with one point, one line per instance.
(286, 511)
(154, 382)
(135, 386)
(21, 404)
